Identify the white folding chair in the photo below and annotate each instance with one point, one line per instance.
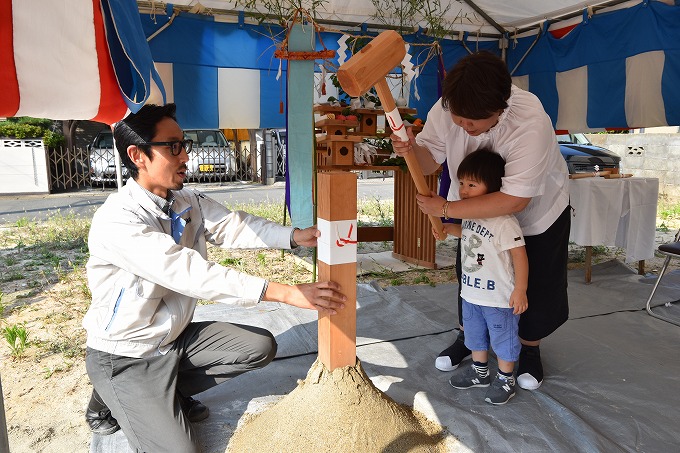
(671, 250)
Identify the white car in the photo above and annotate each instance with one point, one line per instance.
(212, 157)
(102, 159)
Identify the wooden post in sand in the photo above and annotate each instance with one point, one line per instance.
(337, 257)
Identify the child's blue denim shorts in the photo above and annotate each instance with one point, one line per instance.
(492, 325)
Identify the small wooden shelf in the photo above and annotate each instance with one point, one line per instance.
(324, 139)
(358, 167)
(415, 129)
(375, 135)
(363, 111)
(325, 122)
(327, 108)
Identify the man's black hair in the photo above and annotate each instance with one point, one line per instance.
(484, 166)
(139, 128)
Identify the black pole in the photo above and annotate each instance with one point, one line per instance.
(4, 440)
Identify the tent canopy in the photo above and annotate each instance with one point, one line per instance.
(491, 17)
(593, 64)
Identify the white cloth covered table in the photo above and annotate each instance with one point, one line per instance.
(615, 212)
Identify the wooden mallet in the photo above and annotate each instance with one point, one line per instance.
(368, 68)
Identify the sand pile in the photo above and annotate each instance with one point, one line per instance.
(339, 411)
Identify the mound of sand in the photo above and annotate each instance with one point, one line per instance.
(337, 411)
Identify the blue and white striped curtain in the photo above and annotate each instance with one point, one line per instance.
(613, 70)
(619, 69)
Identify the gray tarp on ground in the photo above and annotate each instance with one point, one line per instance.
(612, 370)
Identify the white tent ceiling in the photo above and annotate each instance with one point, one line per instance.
(475, 16)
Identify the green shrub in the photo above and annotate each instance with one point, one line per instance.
(53, 139)
(40, 122)
(26, 127)
(18, 130)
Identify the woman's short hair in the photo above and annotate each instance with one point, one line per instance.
(139, 128)
(477, 87)
(485, 166)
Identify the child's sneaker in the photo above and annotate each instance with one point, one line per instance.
(469, 378)
(501, 390)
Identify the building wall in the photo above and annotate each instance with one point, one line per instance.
(23, 166)
(647, 155)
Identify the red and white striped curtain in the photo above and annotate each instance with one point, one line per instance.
(58, 59)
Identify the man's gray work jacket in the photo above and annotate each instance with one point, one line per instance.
(145, 286)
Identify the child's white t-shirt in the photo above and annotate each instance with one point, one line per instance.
(488, 277)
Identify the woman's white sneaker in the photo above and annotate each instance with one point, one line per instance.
(530, 368)
(451, 357)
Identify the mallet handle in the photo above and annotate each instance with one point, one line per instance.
(387, 100)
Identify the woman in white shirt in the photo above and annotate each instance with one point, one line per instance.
(481, 108)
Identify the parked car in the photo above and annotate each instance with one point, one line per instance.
(582, 156)
(212, 156)
(102, 159)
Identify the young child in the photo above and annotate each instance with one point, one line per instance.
(495, 273)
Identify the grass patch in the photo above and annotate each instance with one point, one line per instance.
(70, 348)
(375, 212)
(423, 279)
(12, 276)
(58, 232)
(270, 210)
(668, 210)
(17, 339)
(11, 261)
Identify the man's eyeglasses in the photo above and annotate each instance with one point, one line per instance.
(175, 147)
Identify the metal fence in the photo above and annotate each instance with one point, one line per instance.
(222, 163)
(75, 168)
(67, 169)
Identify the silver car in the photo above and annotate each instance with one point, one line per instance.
(212, 157)
(102, 159)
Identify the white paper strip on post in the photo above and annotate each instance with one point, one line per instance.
(338, 241)
(396, 124)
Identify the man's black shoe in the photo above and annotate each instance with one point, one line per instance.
(194, 410)
(98, 416)
(101, 422)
